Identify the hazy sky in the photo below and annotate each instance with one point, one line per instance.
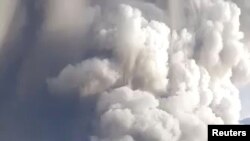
(245, 97)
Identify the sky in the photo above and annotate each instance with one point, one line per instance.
(122, 70)
(244, 94)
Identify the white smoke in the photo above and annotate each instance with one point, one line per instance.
(126, 114)
(157, 69)
(91, 76)
(170, 85)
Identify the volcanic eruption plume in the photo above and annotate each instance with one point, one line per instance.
(122, 70)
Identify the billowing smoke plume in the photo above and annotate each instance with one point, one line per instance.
(134, 70)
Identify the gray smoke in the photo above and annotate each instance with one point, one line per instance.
(121, 70)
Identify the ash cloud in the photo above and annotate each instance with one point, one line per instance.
(121, 70)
